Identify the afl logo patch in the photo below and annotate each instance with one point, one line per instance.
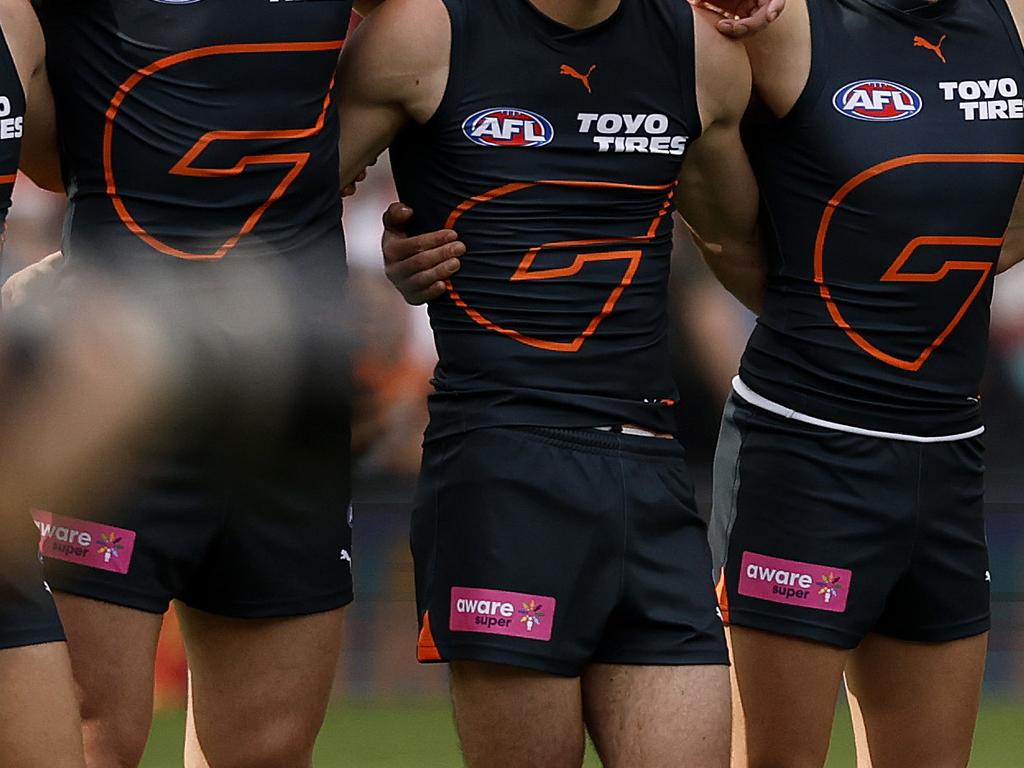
(879, 101)
(508, 127)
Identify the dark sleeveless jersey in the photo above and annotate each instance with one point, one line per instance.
(554, 154)
(888, 189)
(12, 118)
(198, 130)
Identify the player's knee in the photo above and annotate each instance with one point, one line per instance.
(284, 740)
(112, 742)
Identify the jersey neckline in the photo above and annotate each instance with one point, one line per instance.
(915, 9)
(563, 33)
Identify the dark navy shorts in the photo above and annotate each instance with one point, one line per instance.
(257, 545)
(827, 535)
(27, 613)
(551, 549)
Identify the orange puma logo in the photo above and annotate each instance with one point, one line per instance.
(585, 79)
(920, 42)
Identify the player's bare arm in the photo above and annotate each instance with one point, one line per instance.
(780, 59)
(393, 71)
(39, 155)
(380, 92)
(718, 195)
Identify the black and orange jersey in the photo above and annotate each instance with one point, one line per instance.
(197, 129)
(12, 118)
(554, 154)
(888, 189)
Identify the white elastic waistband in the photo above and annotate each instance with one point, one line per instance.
(765, 404)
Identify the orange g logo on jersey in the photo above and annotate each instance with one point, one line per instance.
(628, 250)
(898, 272)
(190, 164)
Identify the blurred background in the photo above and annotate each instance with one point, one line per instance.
(391, 711)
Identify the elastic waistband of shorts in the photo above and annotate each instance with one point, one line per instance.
(751, 397)
(603, 440)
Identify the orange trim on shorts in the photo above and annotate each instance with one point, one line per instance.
(426, 649)
(723, 597)
(9, 179)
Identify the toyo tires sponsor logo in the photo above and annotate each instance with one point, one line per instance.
(508, 127)
(880, 101)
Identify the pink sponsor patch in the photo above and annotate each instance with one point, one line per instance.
(494, 612)
(794, 583)
(84, 542)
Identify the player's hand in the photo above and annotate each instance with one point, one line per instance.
(33, 282)
(351, 188)
(418, 266)
(743, 17)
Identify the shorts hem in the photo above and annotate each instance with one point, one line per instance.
(103, 593)
(127, 598)
(274, 610)
(817, 633)
(665, 659)
(518, 659)
(947, 634)
(25, 638)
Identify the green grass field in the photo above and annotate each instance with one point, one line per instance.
(421, 736)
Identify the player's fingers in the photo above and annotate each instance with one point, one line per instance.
(755, 17)
(775, 7)
(33, 282)
(435, 291)
(351, 188)
(732, 28)
(396, 217)
(423, 286)
(419, 271)
(399, 248)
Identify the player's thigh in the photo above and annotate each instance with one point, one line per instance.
(510, 717)
(658, 716)
(112, 652)
(787, 696)
(39, 723)
(916, 703)
(259, 687)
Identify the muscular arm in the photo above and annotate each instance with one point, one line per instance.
(718, 195)
(780, 58)
(40, 158)
(394, 70)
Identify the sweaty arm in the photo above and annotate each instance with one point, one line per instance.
(40, 158)
(718, 196)
(394, 70)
